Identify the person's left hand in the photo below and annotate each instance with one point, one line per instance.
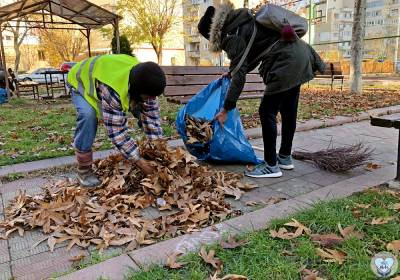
(221, 117)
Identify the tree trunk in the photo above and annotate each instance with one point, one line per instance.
(17, 59)
(357, 47)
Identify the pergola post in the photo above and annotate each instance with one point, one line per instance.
(3, 62)
(116, 33)
(88, 42)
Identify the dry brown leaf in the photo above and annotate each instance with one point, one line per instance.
(234, 277)
(327, 240)
(232, 243)
(309, 275)
(393, 246)
(395, 206)
(171, 261)
(51, 241)
(395, 278)
(372, 166)
(77, 258)
(381, 220)
(300, 228)
(252, 203)
(210, 258)
(349, 232)
(330, 255)
(363, 206)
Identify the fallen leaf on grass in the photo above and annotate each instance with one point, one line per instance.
(327, 240)
(307, 274)
(349, 232)
(234, 277)
(210, 258)
(283, 233)
(372, 166)
(330, 255)
(393, 246)
(232, 243)
(381, 221)
(171, 261)
(395, 206)
(300, 228)
(363, 206)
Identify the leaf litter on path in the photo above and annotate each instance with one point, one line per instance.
(110, 215)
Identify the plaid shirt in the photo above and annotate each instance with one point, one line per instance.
(115, 121)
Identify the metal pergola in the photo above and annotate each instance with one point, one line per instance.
(80, 13)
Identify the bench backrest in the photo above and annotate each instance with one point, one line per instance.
(332, 68)
(188, 80)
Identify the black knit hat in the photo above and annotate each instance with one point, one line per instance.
(205, 22)
(146, 78)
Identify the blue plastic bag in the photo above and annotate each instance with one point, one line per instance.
(229, 144)
(3, 96)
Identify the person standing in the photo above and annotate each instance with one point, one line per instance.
(288, 63)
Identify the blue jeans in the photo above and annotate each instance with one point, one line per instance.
(86, 123)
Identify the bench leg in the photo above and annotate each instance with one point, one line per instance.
(341, 89)
(398, 160)
(332, 84)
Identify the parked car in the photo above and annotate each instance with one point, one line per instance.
(66, 66)
(39, 77)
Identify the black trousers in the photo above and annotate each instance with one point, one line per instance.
(286, 103)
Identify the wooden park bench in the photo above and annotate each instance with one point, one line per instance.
(391, 121)
(333, 71)
(183, 82)
(29, 87)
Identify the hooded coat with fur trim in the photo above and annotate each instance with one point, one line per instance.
(288, 64)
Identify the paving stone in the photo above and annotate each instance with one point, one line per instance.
(301, 168)
(158, 253)
(295, 187)
(1, 204)
(266, 182)
(376, 177)
(324, 178)
(115, 269)
(23, 184)
(5, 271)
(262, 194)
(259, 219)
(45, 265)
(21, 247)
(9, 196)
(110, 251)
(4, 254)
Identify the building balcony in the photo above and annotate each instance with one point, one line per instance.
(195, 54)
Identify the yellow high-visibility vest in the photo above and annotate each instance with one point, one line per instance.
(112, 70)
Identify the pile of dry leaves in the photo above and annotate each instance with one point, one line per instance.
(197, 130)
(110, 214)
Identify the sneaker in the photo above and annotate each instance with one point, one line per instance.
(88, 179)
(263, 170)
(285, 162)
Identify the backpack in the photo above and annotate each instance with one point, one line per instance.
(273, 17)
(3, 96)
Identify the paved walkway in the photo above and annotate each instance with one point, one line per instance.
(18, 260)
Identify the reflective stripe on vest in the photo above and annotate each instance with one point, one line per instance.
(91, 67)
(81, 89)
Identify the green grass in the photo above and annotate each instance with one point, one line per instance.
(32, 131)
(262, 257)
(94, 258)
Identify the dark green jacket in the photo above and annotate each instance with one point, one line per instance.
(286, 66)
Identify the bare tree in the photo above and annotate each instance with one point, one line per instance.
(61, 45)
(19, 34)
(357, 46)
(152, 20)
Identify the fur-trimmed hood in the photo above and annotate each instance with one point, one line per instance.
(218, 22)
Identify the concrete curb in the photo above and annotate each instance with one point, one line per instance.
(257, 220)
(251, 134)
